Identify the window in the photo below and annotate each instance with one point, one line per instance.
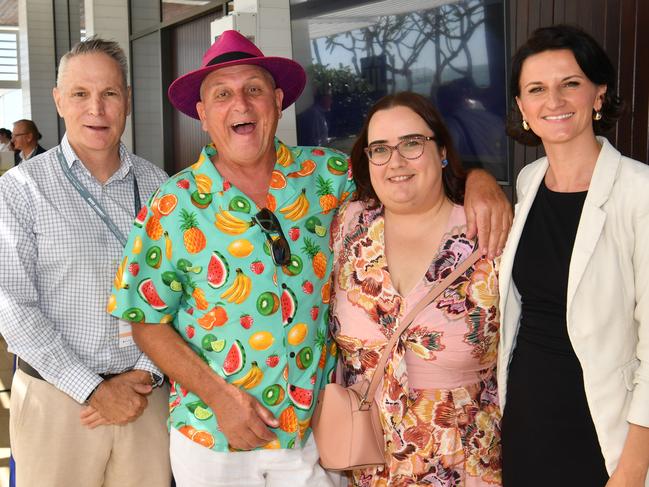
(450, 51)
(9, 55)
(148, 14)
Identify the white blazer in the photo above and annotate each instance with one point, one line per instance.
(608, 294)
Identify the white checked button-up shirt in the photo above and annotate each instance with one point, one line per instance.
(58, 264)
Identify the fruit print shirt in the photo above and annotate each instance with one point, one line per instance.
(196, 260)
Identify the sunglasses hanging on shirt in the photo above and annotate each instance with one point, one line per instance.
(279, 248)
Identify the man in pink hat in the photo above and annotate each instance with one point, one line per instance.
(226, 278)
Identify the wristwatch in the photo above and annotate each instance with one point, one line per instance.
(87, 401)
(155, 380)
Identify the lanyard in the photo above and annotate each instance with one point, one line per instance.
(94, 204)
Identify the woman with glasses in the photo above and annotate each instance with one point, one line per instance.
(401, 235)
(574, 355)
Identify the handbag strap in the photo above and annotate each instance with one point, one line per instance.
(410, 317)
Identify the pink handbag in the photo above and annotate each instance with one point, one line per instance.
(345, 423)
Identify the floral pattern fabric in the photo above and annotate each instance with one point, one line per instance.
(197, 259)
(438, 402)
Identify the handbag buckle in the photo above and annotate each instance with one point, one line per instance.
(364, 404)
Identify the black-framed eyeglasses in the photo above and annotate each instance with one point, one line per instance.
(269, 224)
(409, 148)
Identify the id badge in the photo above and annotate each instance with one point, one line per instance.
(125, 334)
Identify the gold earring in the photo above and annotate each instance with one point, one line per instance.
(597, 115)
(526, 126)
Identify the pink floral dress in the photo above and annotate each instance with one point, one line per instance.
(438, 401)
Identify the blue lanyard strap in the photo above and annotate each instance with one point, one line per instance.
(93, 203)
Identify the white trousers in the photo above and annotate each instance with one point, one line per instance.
(195, 466)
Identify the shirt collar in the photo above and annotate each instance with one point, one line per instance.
(284, 165)
(28, 156)
(126, 163)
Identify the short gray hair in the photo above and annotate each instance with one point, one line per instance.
(94, 45)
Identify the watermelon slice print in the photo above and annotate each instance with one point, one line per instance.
(288, 303)
(147, 291)
(302, 398)
(217, 270)
(235, 360)
(141, 216)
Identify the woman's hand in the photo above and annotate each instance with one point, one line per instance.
(621, 479)
(632, 468)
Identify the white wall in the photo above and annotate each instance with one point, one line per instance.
(109, 20)
(37, 66)
(11, 108)
(147, 104)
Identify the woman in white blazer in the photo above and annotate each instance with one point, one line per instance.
(573, 367)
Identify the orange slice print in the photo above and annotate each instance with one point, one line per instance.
(306, 168)
(203, 438)
(277, 180)
(187, 430)
(325, 293)
(167, 204)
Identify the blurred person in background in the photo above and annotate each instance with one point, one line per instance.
(25, 140)
(5, 140)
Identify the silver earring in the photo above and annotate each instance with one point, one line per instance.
(444, 162)
(526, 126)
(597, 115)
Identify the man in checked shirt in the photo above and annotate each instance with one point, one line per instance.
(87, 406)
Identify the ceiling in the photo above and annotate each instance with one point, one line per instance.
(172, 9)
(330, 17)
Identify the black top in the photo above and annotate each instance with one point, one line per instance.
(548, 434)
(18, 160)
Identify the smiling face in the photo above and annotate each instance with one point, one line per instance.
(405, 185)
(93, 101)
(239, 109)
(557, 99)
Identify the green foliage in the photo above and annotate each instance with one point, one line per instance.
(337, 81)
(351, 94)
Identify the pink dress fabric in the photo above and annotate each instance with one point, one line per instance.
(438, 401)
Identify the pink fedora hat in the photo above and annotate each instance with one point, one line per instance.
(232, 49)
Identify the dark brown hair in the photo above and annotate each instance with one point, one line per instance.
(592, 60)
(453, 175)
